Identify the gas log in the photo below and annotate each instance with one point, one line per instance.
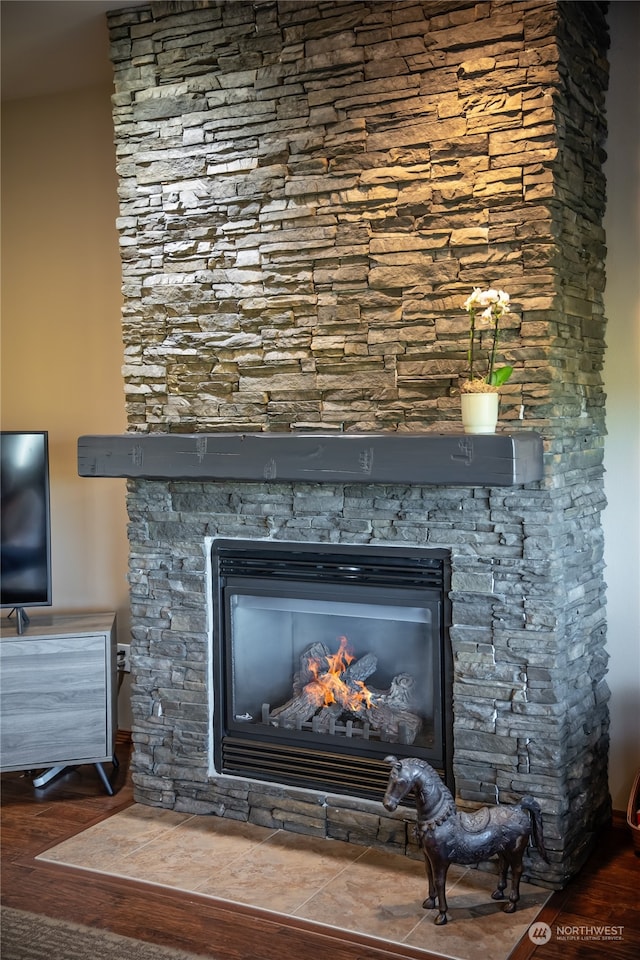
(329, 688)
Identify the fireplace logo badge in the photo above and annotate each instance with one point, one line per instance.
(539, 933)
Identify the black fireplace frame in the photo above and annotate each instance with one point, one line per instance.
(316, 764)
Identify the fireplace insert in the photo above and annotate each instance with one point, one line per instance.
(326, 659)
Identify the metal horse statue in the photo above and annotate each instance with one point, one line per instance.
(447, 835)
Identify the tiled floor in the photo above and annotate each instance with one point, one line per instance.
(328, 882)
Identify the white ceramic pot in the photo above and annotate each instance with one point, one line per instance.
(479, 412)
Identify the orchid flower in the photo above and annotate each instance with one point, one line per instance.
(492, 305)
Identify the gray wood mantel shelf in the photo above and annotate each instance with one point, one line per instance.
(500, 459)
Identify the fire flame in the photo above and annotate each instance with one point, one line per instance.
(329, 686)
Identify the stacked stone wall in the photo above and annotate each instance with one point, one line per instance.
(308, 193)
(519, 696)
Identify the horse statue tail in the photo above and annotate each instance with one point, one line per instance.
(533, 809)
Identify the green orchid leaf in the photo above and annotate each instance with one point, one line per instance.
(500, 376)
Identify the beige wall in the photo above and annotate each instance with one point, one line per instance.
(61, 354)
(61, 344)
(621, 519)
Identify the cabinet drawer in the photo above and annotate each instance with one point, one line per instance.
(54, 700)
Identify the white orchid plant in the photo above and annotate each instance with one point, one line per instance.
(488, 307)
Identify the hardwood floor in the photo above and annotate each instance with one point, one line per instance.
(604, 894)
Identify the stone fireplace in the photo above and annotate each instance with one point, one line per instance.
(309, 192)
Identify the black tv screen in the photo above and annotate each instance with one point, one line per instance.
(25, 531)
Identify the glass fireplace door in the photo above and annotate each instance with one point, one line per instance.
(321, 674)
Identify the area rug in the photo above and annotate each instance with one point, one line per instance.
(326, 883)
(28, 936)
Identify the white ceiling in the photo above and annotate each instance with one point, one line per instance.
(53, 46)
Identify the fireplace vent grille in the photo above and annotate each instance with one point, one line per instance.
(298, 766)
(409, 569)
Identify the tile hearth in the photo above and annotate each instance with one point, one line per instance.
(325, 882)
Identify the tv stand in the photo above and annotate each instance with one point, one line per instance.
(22, 620)
(58, 695)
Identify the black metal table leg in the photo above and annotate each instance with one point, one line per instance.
(104, 778)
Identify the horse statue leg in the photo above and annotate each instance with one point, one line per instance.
(503, 867)
(430, 902)
(511, 859)
(437, 875)
(516, 873)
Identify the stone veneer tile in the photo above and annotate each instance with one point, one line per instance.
(113, 840)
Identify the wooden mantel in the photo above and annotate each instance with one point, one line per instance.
(500, 459)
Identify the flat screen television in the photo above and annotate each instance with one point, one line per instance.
(25, 525)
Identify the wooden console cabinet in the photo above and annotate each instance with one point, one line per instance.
(58, 694)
